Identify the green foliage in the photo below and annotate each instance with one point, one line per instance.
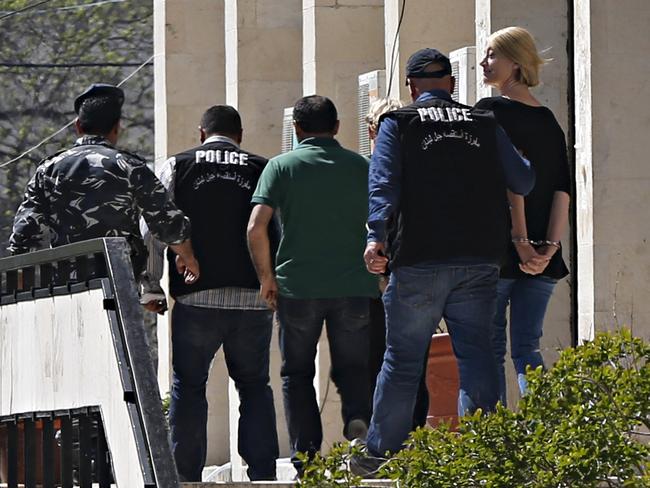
(37, 101)
(584, 423)
(330, 471)
(166, 403)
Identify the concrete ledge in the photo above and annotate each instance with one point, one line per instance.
(239, 484)
(274, 484)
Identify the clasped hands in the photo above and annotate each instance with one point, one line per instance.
(534, 261)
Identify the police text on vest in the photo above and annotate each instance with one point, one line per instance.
(445, 114)
(221, 157)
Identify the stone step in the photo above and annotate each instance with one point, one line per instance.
(273, 484)
(240, 484)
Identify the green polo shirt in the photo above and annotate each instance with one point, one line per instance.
(321, 192)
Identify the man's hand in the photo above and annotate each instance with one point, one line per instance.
(269, 292)
(189, 268)
(186, 263)
(156, 306)
(376, 261)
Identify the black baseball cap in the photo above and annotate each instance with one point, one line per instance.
(99, 90)
(419, 60)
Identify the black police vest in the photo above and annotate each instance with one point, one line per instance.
(453, 194)
(213, 186)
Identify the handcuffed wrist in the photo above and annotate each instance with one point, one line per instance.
(525, 240)
(521, 240)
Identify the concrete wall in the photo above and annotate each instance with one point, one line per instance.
(321, 46)
(341, 40)
(263, 67)
(547, 22)
(612, 125)
(246, 53)
(263, 76)
(188, 69)
(442, 24)
(189, 72)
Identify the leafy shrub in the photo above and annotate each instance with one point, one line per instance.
(331, 471)
(584, 423)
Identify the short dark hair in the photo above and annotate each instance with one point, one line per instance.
(98, 115)
(221, 119)
(315, 114)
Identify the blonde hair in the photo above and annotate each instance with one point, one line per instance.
(516, 44)
(378, 108)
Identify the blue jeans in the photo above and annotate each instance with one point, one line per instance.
(197, 334)
(528, 299)
(378, 348)
(416, 299)
(301, 323)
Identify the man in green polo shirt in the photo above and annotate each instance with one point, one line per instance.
(321, 192)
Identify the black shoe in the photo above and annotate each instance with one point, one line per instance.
(356, 429)
(364, 464)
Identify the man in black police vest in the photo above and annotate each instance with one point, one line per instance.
(213, 184)
(439, 174)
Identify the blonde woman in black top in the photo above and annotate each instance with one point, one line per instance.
(534, 263)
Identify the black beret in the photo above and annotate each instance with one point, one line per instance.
(99, 90)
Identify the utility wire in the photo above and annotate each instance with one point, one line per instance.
(147, 62)
(69, 65)
(392, 54)
(51, 136)
(78, 6)
(24, 9)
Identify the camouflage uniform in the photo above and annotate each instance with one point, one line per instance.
(94, 190)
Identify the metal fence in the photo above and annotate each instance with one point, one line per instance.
(54, 440)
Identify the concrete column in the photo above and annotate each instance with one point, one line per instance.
(613, 177)
(263, 67)
(342, 39)
(263, 40)
(188, 69)
(445, 25)
(547, 22)
(189, 77)
(584, 173)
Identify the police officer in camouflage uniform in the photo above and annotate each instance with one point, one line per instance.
(95, 190)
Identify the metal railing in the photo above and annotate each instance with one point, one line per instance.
(55, 449)
(64, 438)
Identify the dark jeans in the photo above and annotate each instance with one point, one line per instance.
(416, 299)
(197, 334)
(301, 323)
(377, 351)
(528, 299)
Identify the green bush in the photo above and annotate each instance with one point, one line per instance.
(331, 471)
(584, 423)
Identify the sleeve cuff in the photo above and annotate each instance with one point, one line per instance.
(151, 287)
(262, 201)
(183, 234)
(376, 231)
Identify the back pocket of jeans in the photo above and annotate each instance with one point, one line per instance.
(356, 309)
(415, 289)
